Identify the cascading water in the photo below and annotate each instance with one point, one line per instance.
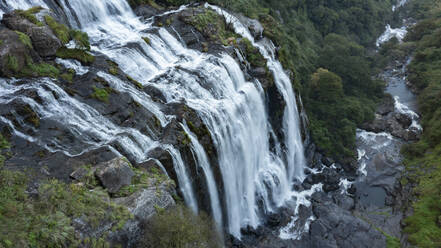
(256, 179)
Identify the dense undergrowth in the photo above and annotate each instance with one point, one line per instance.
(423, 159)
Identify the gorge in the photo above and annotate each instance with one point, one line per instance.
(139, 108)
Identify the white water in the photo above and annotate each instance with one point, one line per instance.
(232, 109)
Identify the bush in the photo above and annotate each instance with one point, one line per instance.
(180, 228)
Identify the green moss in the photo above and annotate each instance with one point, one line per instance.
(68, 76)
(30, 14)
(12, 63)
(24, 39)
(4, 143)
(39, 70)
(147, 40)
(113, 67)
(46, 220)
(253, 54)
(213, 26)
(136, 83)
(84, 57)
(101, 94)
(81, 39)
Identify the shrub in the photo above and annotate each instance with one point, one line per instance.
(179, 227)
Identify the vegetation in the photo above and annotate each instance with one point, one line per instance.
(24, 39)
(79, 54)
(30, 14)
(60, 30)
(423, 163)
(181, 228)
(101, 94)
(45, 220)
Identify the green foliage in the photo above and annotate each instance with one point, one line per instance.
(181, 228)
(68, 76)
(423, 159)
(79, 54)
(60, 30)
(24, 39)
(253, 54)
(41, 70)
(30, 14)
(212, 25)
(46, 220)
(80, 38)
(333, 115)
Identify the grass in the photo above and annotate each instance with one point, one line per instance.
(180, 227)
(30, 14)
(78, 54)
(46, 220)
(24, 38)
(60, 30)
(12, 63)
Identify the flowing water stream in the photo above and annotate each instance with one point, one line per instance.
(257, 180)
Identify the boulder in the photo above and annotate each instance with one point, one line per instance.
(403, 119)
(43, 39)
(114, 174)
(13, 53)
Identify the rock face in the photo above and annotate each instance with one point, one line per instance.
(12, 52)
(337, 227)
(143, 205)
(43, 39)
(114, 174)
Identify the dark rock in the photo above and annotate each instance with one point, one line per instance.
(403, 119)
(146, 11)
(352, 190)
(273, 220)
(11, 47)
(43, 40)
(114, 174)
(387, 106)
(327, 161)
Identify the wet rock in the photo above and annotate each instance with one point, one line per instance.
(13, 53)
(146, 11)
(327, 161)
(143, 205)
(337, 227)
(254, 26)
(43, 39)
(403, 119)
(114, 174)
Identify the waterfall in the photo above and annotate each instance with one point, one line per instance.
(256, 179)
